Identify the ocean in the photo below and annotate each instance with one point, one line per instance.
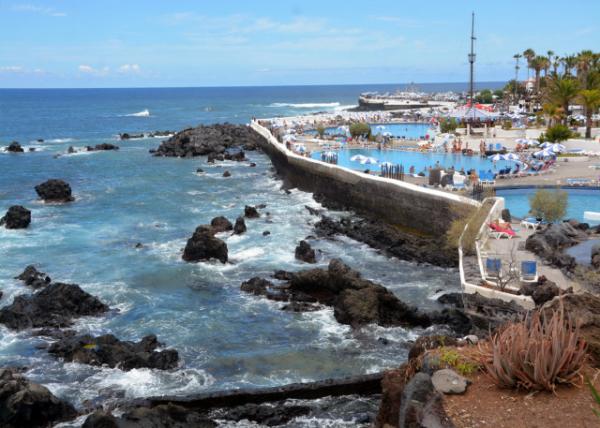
(225, 338)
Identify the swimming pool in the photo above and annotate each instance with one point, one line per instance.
(420, 160)
(398, 130)
(580, 200)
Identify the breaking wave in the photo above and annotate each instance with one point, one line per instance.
(143, 113)
(305, 105)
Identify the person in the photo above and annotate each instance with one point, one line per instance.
(411, 170)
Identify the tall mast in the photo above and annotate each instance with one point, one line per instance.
(472, 57)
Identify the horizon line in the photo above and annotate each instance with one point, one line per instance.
(250, 86)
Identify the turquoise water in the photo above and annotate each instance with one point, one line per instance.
(420, 160)
(225, 338)
(580, 200)
(408, 130)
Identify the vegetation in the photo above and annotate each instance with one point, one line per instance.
(485, 97)
(595, 396)
(535, 354)
(558, 133)
(452, 358)
(360, 129)
(448, 125)
(467, 224)
(559, 82)
(549, 205)
(320, 130)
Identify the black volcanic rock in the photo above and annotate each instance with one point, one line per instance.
(226, 174)
(126, 136)
(240, 226)
(106, 146)
(220, 224)
(54, 190)
(203, 245)
(211, 140)
(14, 147)
(110, 351)
(34, 278)
(27, 404)
(54, 306)
(305, 253)
(17, 217)
(250, 212)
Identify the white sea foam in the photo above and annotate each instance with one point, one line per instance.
(306, 105)
(143, 113)
(60, 140)
(245, 255)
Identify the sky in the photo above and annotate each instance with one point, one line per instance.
(131, 43)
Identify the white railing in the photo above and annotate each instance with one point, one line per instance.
(526, 302)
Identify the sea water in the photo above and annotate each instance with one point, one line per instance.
(225, 338)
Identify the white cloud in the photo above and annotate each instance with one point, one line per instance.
(12, 69)
(88, 69)
(129, 69)
(31, 8)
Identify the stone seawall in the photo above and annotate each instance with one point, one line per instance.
(410, 207)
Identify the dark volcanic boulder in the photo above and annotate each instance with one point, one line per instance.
(240, 226)
(27, 404)
(54, 191)
(421, 405)
(226, 174)
(220, 224)
(100, 419)
(163, 416)
(54, 306)
(126, 136)
(211, 140)
(265, 414)
(305, 252)
(391, 240)
(250, 212)
(110, 351)
(34, 278)
(203, 245)
(14, 147)
(106, 146)
(17, 217)
(596, 256)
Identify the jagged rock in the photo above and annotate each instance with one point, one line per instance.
(238, 156)
(595, 256)
(14, 147)
(549, 243)
(240, 226)
(305, 253)
(17, 217)
(250, 212)
(426, 343)
(584, 308)
(421, 405)
(106, 146)
(34, 278)
(27, 404)
(54, 190)
(126, 136)
(164, 415)
(210, 140)
(100, 419)
(447, 381)
(283, 275)
(53, 306)
(454, 299)
(252, 165)
(220, 224)
(266, 414)
(71, 150)
(226, 174)
(257, 286)
(454, 318)
(203, 245)
(266, 233)
(199, 170)
(541, 292)
(391, 240)
(110, 351)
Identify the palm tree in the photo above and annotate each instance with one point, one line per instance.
(584, 62)
(555, 65)
(517, 57)
(590, 100)
(550, 54)
(569, 62)
(538, 63)
(529, 54)
(554, 113)
(562, 91)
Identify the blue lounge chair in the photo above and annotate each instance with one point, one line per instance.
(490, 147)
(529, 271)
(498, 146)
(492, 268)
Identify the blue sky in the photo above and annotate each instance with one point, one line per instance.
(84, 43)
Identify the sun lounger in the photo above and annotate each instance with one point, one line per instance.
(529, 271)
(499, 232)
(530, 223)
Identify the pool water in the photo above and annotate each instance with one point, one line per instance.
(580, 200)
(420, 160)
(411, 131)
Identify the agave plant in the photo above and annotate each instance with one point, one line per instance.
(537, 353)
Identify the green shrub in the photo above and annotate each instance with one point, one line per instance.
(320, 130)
(360, 129)
(595, 396)
(558, 133)
(507, 124)
(448, 125)
(464, 216)
(551, 205)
